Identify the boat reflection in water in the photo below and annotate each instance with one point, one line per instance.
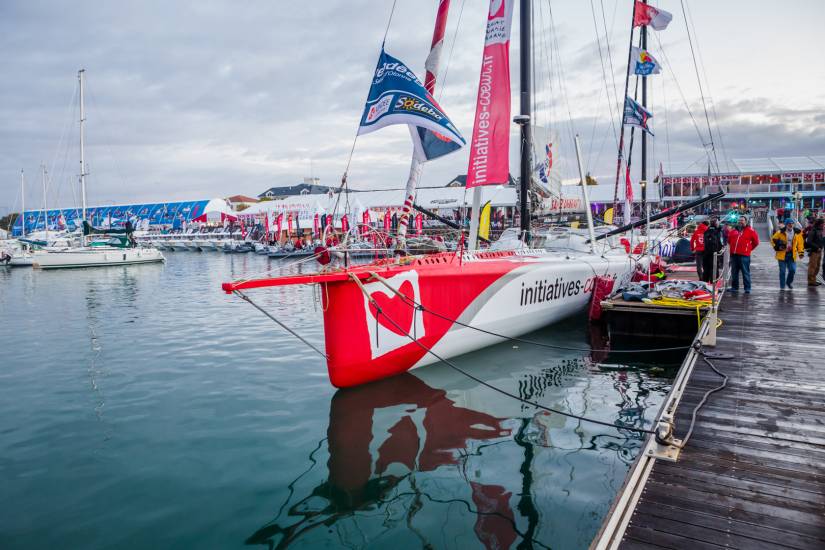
(412, 465)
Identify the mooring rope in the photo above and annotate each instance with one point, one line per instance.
(423, 308)
(279, 323)
(455, 367)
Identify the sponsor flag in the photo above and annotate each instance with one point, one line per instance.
(397, 97)
(636, 115)
(316, 225)
(642, 63)
(490, 145)
(645, 14)
(365, 222)
(344, 224)
(289, 225)
(545, 165)
(419, 223)
(608, 216)
(484, 222)
(387, 221)
(280, 225)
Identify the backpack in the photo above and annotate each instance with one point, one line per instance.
(713, 240)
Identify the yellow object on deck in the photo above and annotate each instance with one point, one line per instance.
(484, 222)
(608, 216)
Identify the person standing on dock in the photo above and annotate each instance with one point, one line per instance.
(743, 240)
(814, 244)
(713, 244)
(697, 246)
(789, 247)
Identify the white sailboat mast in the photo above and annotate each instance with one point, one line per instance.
(80, 78)
(45, 210)
(586, 197)
(22, 203)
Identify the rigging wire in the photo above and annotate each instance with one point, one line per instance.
(710, 93)
(699, 82)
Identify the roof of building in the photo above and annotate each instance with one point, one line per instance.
(763, 165)
(241, 198)
(286, 191)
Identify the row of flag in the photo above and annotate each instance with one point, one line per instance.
(642, 63)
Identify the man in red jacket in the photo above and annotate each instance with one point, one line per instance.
(697, 246)
(742, 241)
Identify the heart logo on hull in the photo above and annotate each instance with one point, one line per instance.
(395, 308)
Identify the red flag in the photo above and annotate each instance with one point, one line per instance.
(316, 226)
(280, 224)
(289, 224)
(645, 14)
(387, 221)
(419, 223)
(366, 224)
(344, 224)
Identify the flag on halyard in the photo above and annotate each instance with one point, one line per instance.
(397, 97)
(645, 14)
(636, 115)
(642, 63)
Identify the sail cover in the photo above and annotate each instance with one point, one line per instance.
(398, 97)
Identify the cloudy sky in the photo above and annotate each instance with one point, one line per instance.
(201, 99)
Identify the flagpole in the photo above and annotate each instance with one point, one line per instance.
(416, 165)
(621, 113)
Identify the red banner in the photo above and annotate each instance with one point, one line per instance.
(316, 226)
(490, 146)
(419, 224)
(280, 224)
(344, 224)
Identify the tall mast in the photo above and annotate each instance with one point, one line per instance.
(643, 181)
(22, 204)
(525, 53)
(80, 78)
(45, 211)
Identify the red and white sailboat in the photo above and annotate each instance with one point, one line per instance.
(393, 315)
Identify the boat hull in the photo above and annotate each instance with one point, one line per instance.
(376, 332)
(95, 258)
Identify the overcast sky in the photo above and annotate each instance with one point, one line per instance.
(213, 98)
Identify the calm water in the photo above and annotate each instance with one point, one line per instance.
(141, 407)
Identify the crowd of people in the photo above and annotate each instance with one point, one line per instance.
(790, 242)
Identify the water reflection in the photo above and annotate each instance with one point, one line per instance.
(385, 439)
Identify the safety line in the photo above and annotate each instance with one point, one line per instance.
(455, 367)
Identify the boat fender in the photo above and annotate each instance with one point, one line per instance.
(322, 255)
(602, 287)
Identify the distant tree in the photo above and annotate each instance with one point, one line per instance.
(7, 221)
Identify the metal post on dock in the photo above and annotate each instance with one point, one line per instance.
(709, 339)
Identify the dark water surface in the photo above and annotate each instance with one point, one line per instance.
(140, 407)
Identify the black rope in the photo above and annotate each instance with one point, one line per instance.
(487, 384)
(421, 307)
(280, 324)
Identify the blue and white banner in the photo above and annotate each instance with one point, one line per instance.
(636, 115)
(642, 63)
(398, 97)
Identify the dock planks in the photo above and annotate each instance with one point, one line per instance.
(753, 472)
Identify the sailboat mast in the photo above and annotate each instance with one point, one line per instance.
(80, 78)
(22, 204)
(643, 181)
(526, 64)
(45, 211)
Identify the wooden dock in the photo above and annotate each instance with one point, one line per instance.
(752, 474)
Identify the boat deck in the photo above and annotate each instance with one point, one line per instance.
(753, 473)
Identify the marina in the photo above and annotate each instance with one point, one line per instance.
(751, 474)
(500, 310)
